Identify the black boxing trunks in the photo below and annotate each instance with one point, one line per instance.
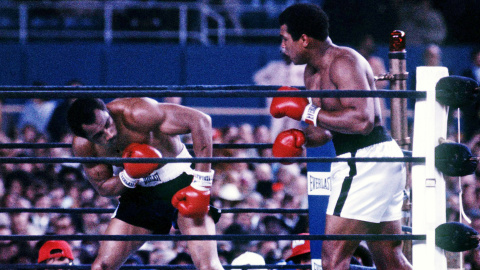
(151, 207)
(350, 143)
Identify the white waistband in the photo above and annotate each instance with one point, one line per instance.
(171, 171)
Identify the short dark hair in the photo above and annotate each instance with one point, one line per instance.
(82, 112)
(307, 19)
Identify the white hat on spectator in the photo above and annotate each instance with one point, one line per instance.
(230, 192)
(249, 258)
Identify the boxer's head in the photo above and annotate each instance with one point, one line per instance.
(89, 118)
(308, 19)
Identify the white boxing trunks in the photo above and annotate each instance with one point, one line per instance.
(369, 191)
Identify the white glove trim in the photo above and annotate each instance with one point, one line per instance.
(202, 180)
(126, 180)
(310, 114)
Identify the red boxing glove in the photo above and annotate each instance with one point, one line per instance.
(194, 200)
(297, 108)
(191, 202)
(289, 143)
(137, 150)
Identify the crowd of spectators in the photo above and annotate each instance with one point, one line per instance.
(237, 185)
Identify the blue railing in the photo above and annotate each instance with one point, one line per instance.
(110, 21)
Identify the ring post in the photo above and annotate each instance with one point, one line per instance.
(428, 185)
(398, 68)
(319, 188)
(397, 56)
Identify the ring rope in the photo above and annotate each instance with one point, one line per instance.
(152, 266)
(227, 237)
(189, 145)
(211, 93)
(332, 237)
(92, 210)
(407, 153)
(142, 87)
(111, 210)
(115, 160)
(34, 145)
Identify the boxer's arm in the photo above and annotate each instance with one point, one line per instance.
(99, 175)
(316, 136)
(172, 119)
(354, 115)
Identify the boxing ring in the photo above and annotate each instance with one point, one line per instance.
(427, 180)
(428, 185)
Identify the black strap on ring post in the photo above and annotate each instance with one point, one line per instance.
(456, 237)
(457, 91)
(454, 159)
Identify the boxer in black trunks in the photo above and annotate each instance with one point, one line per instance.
(131, 126)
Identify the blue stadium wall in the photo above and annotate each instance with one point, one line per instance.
(161, 64)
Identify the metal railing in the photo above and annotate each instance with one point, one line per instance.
(111, 21)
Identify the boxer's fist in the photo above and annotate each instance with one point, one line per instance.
(316, 136)
(292, 107)
(192, 202)
(289, 143)
(137, 150)
(297, 108)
